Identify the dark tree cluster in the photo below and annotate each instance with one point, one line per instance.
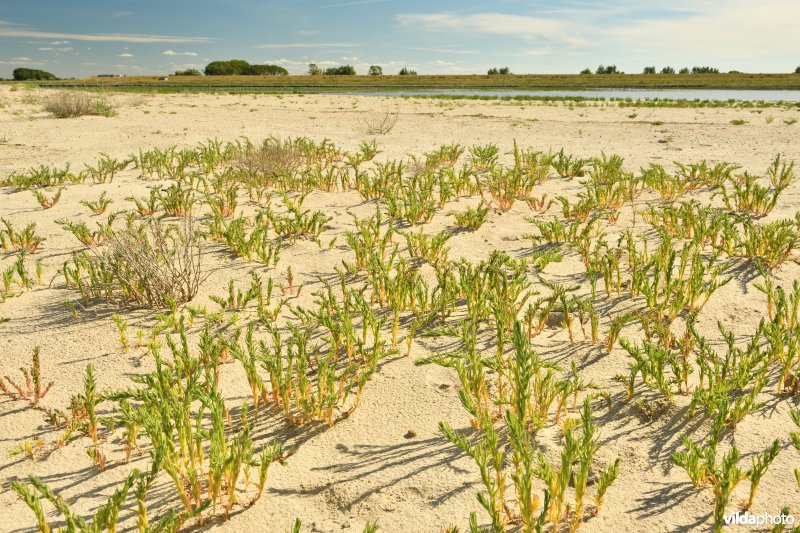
(343, 70)
(240, 67)
(610, 69)
(22, 74)
(188, 72)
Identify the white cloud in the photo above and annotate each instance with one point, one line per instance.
(354, 58)
(492, 23)
(21, 59)
(441, 50)
(731, 30)
(174, 53)
(46, 48)
(125, 55)
(7, 30)
(306, 45)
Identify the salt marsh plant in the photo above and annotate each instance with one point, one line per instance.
(697, 175)
(105, 169)
(771, 244)
(144, 266)
(670, 187)
(431, 248)
(25, 240)
(33, 388)
(380, 124)
(146, 206)
(371, 239)
(568, 166)
(17, 274)
(472, 218)
(309, 380)
(446, 155)
(748, 197)
(484, 158)
(209, 466)
(224, 203)
(701, 463)
(48, 201)
(42, 176)
(105, 518)
(99, 206)
(540, 204)
(75, 104)
(87, 236)
(298, 223)
(176, 201)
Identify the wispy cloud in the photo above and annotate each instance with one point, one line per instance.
(20, 59)
(492, 23)
(355, 3)
(174, 53)
(440, 50)
(277, 46)
(538, 51)
(8, 30)
(125, 55)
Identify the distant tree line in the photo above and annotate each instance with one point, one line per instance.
(349, 70)
(498, 71)
(188, 72)
(240, 67)
(612, 69)
(22, 74)
(343, 70)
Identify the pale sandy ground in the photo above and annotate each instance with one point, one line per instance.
(363, 468)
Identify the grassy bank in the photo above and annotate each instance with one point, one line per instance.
(532, 81)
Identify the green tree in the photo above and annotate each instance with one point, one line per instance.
(586, 71)
(314, 70)
(21, 74)
(704, 70)
(375, 70)
(610, 69)
(405, 71)
(649, 70)
(240, 67)
(667, 70)
(188, 72)
(344, 70)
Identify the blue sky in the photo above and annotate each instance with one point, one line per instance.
(78, 38)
